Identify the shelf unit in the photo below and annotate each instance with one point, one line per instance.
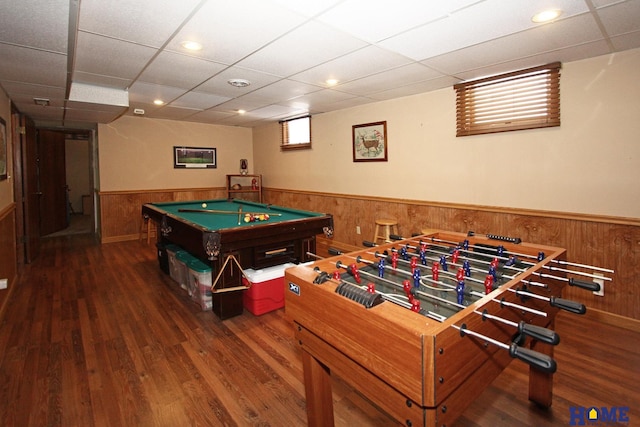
(246, 187)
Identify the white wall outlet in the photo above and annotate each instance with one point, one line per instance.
(357, 229)
(599, 293)
(3, 283)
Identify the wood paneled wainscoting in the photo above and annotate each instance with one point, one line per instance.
(8, 255)
(121, 211)
(601, 241)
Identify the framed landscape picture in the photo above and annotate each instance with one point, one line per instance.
(194, 157)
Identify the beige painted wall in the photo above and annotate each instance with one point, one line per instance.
(136, 153)
(588, 165)
(6, 185)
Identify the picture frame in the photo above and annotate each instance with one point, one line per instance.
(194, 158)
(3, 150)
(369, 142)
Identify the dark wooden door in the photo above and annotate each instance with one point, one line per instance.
(52, 180)
(30, 195)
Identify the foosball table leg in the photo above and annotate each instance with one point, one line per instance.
(317, 384)
(541, 383)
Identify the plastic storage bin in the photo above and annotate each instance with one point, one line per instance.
(200, 283)
(174, 269)
(183, 258)
(266, 292)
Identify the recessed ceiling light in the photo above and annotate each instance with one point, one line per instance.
(546, 16)
(239, 82)
(242, 111)
(158, 101)
(191, 45)
(331, 82)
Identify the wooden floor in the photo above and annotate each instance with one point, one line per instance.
(98, 335)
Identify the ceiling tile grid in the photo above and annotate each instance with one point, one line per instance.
(285, 49)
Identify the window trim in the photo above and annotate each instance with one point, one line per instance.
(468, 94)
(284, 144)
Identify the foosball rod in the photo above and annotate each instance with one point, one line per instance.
(371, 244)
(536, 332)
(548, 267)
(590, 286)
(502, 302)
(557, 261)
(534, 358)
(510, 267)
(561, 303)
(339, 264)
(394, 299)
(449, 275)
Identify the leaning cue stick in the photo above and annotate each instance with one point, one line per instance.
(239, 215)
(227, 212)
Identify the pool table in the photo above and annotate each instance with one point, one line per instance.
(212, 230)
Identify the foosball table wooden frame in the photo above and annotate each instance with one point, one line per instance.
(419, 370)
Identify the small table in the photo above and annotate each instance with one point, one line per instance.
(214, 230)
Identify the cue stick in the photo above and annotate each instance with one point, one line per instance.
(239, 215)
(227, 212)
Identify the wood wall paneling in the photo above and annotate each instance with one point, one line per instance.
(121, 211)
(8, 255)
(600, 241)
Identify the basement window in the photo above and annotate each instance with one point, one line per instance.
(525, 99)
(296, 133)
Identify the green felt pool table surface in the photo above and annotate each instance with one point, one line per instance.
(214, 220)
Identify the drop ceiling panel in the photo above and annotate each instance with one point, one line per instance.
(361, 63)
(110, 57)
(32, 66)
(181, 71)
(306, 46)
(379, 20)
(147, 92)
(535, 41)
(198, 100)
(467, 27)
(286, 49)
(172, 113)
(231, 30)
(148, 22)
(622, 19)
(34, 23)
(283, 90)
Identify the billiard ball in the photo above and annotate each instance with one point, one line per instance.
(204, 205)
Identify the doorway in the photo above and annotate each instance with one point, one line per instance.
(75, 163)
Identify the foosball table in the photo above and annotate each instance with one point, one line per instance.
(422, 325)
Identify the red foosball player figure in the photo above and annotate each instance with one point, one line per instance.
(356, 274)
(488, 284)
(336, 275)
(455, 255)
(394, 260)
(435, 271)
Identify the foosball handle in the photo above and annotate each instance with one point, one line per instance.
(540, 361)
(568, 305)
(334, 251)
(590, 286)
(368, 244)
(395, 237)
(539, 333)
